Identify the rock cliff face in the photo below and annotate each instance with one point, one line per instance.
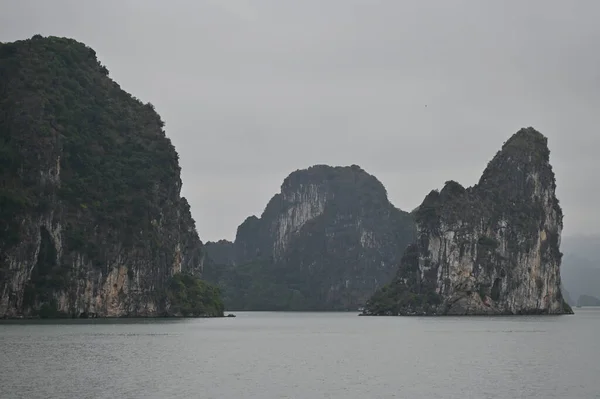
(327, 241)
(91, 218)
(489, 249)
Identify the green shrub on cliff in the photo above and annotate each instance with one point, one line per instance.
(114, 151)
(190, 296)
(256, 285)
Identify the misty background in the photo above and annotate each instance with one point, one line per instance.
(414, 92)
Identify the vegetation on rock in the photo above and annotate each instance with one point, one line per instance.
(326, 242)
(89, 180)
(488, 249)
(190, 296)
(398, 297)
(113, 150)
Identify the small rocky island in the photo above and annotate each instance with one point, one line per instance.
(327, 241)
(490, 249)
(92, 223)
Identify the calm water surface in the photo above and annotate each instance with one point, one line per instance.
(304, 355)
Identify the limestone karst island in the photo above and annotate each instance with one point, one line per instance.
(92, 223)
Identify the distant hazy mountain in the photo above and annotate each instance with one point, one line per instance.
(585, 246)
(580, 268)
(587, 300)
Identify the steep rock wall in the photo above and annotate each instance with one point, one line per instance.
(490, 249)
(327, 241)
(91, 218)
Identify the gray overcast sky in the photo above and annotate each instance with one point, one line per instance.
(252, 90)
